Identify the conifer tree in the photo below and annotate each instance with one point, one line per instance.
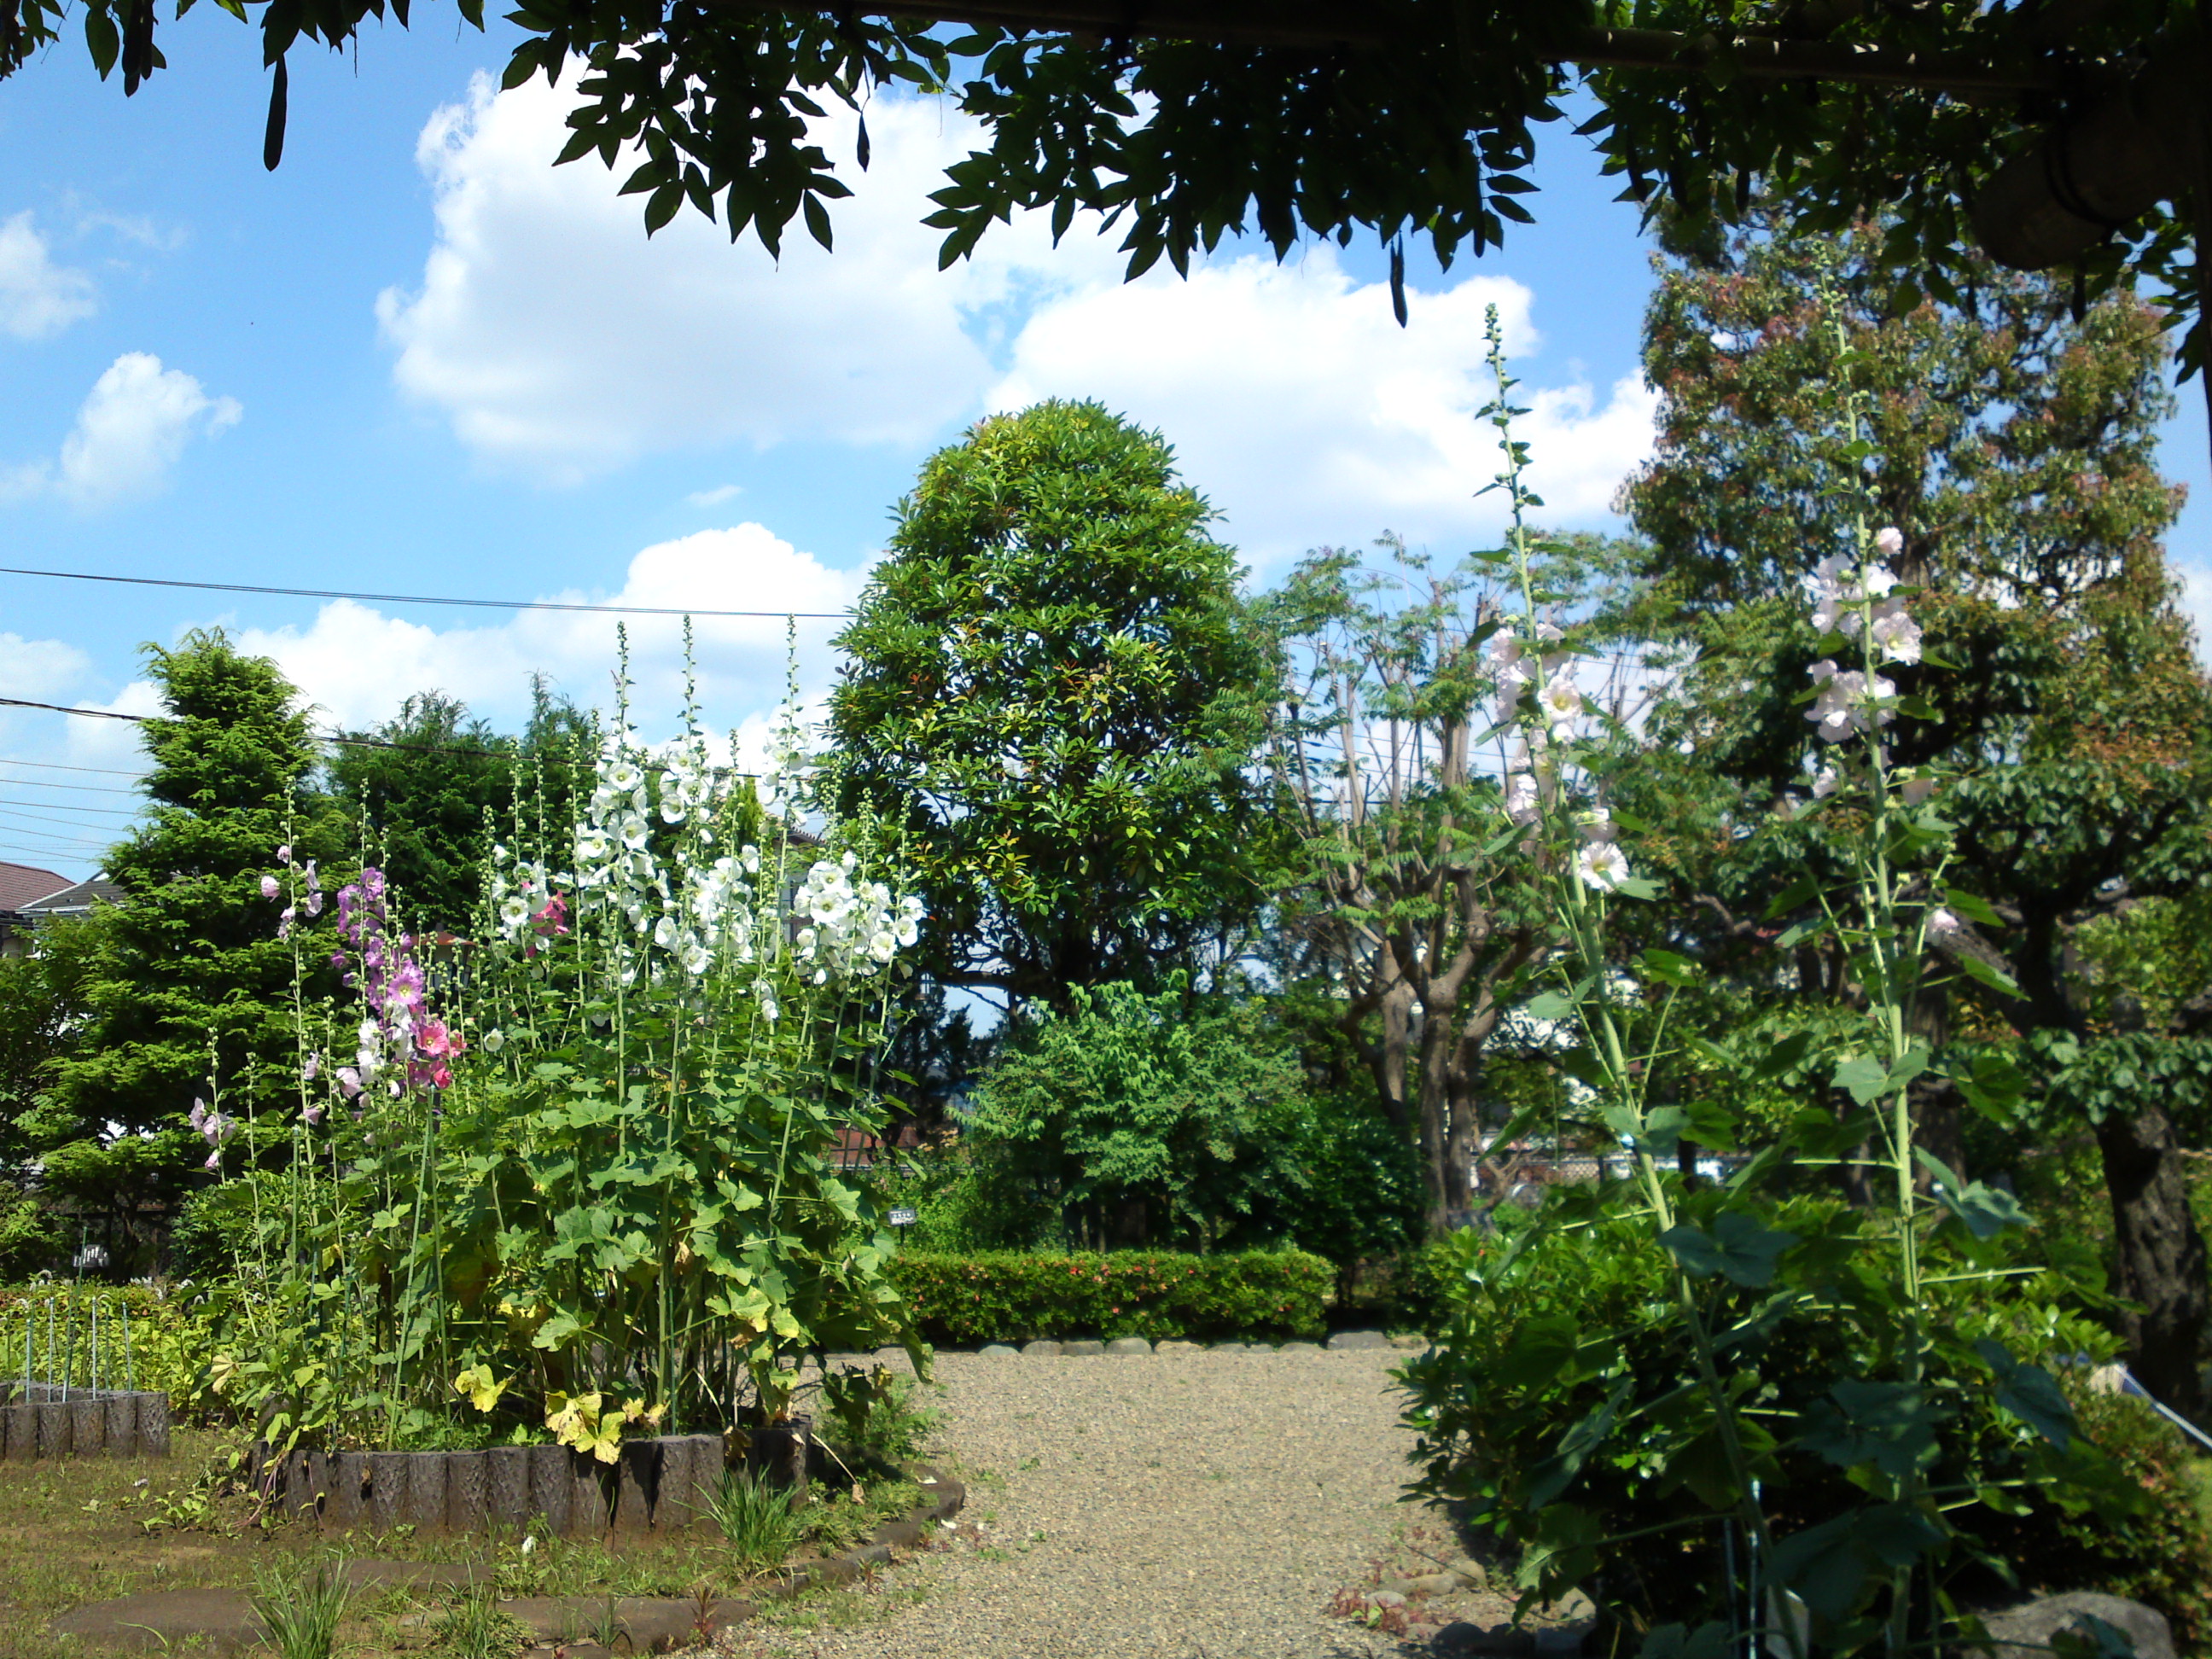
(185, 995)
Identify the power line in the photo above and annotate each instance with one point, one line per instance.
(325, 737)
(51, 810)
(77, 788)
(60, 844)
(425, 598)
(57, 766)
(349, 743)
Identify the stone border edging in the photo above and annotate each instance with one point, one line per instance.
(44, 1420)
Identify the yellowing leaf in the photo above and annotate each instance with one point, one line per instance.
(479, 1387)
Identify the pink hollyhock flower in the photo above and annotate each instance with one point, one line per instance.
(270, 887)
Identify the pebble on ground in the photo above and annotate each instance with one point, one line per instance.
(1182, 1506)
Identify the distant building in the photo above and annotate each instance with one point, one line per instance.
(29, 896)
(20, 886)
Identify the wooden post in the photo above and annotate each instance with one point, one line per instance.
(551, 1486)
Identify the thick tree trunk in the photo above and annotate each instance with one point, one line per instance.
(1444, 1181)
(2161, 1258)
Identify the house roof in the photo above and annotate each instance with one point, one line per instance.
(21, 885)
(77, 896)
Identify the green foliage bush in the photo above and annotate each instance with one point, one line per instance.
(171, 1338)
(2160, 1555)
(1141, 1120)
(1534, 1343)
(1010, 1296)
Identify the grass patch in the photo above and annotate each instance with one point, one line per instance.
(75, 1532)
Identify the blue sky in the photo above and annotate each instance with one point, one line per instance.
(417, 360)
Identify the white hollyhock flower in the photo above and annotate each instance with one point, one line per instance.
(1894, 632)
(513, 913)
(636, 831)
(623, 777)
(881, 945)
(1521, 798)
(494, 1041)
(1889, 541)
(1559, 700)
(1941, 922)
(1826, 783)
(1602, 866)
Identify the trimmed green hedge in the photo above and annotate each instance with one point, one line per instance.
(1015, 1296)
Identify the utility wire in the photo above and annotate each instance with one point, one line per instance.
(58, 766)
(325, 737)
(425, 598)
(51, 810)
(157, 719)
(28, 821)
(78, 788)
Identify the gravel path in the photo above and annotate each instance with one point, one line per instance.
(1185, 1506)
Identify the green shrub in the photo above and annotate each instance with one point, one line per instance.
(1012, 1296)
(171, 1346)
(1138, 1120)
(1534, 1344)
(29, 1238)
(2160, 1555)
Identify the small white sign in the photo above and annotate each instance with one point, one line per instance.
(903, 1218)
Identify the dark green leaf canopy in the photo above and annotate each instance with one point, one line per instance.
(1052, 697)
(2072, 128)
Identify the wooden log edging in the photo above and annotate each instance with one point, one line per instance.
(660, 1485)
(41, 1419)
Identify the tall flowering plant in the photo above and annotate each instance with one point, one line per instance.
(1801, 1427)
(574, 1171)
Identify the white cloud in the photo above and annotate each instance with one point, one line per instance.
(131, 432)
(716, 496)
(38, 298)
(42, 670)
(357, 665)
(561, 343)
(1305, 413)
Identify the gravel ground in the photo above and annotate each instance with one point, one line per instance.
(1186, 1506)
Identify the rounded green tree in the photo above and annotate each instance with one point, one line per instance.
(1053, 694)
